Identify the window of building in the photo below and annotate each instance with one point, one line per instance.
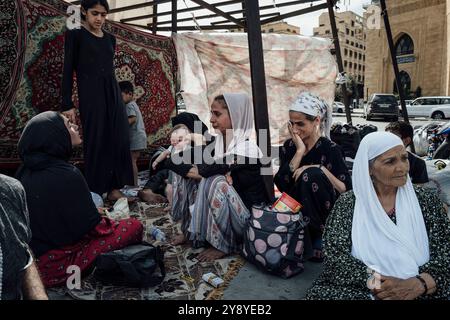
(345, 63)
(294, 31)
(350, 65)
(315, 33)
(271, 30)
(289, 30)
(327, 31)
(347, 41)
(353, 23)
(352, 43)
(404, 45)
(345, 52)
(347, 31)
(353, 33)
(351, 54)
(360, 56)
(321, 25)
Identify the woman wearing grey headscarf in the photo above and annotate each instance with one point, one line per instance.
(312, 168)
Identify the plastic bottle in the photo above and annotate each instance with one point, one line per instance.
(157, 234)
(97, 199)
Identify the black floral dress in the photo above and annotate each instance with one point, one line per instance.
(313, 189)
(345, 277)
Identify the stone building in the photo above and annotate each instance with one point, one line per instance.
(280, 27)
(351, 38)
(420, 30)
(130, 13)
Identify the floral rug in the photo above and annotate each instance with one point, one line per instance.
(183, 279)
(31, 68)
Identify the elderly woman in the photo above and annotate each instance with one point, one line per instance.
(230, 180)
(386, 239)
(312, 168)
(65, 224)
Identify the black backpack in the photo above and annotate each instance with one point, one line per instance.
(133, 266)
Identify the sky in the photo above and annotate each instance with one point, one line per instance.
(305, 22)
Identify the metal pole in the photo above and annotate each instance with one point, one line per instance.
(174, 16)
(401, 94)
(155, 19)
(244, 16)
(337, 47)
(259, 92)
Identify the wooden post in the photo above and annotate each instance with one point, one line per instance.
(337, 47)
(259, 92)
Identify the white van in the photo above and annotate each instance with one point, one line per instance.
(433, 107)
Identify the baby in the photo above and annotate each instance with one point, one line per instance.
(179, 139)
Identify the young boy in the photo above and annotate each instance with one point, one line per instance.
(138, 137)
(417, 167)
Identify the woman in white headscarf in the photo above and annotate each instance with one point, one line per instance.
(312, 167)
(386, 239)
(231, 181)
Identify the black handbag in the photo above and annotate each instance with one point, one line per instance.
(133, 266)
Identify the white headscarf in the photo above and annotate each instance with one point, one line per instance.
(241, 113)
(312, 105)
(391, 249)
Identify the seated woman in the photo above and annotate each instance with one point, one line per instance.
(65, 224)
(230, 180)
(387, 231)
(312, 168)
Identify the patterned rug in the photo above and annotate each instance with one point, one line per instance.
(31, 64)
(183, 279)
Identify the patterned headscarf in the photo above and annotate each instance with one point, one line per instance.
(312, 105)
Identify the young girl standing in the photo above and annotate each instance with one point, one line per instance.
(89, 51)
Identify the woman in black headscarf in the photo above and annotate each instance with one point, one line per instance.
(66, 226)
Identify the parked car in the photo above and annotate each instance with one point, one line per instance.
(407, 103)
(381, 105)
(339, 107)
(433, 107)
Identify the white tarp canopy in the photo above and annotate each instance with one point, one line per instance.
(214, 63)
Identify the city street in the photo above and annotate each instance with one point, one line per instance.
(357, 118)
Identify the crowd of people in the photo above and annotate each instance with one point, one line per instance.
(379, 234)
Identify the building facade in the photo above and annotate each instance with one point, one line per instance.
(351, 38)
(420, 30)
(280, 27)
(130, 13)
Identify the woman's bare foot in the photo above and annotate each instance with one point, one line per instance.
(178, 240)
(115, 195)
(210, 254)
(149, 196)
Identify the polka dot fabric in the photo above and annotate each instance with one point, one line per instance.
(274, 241)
